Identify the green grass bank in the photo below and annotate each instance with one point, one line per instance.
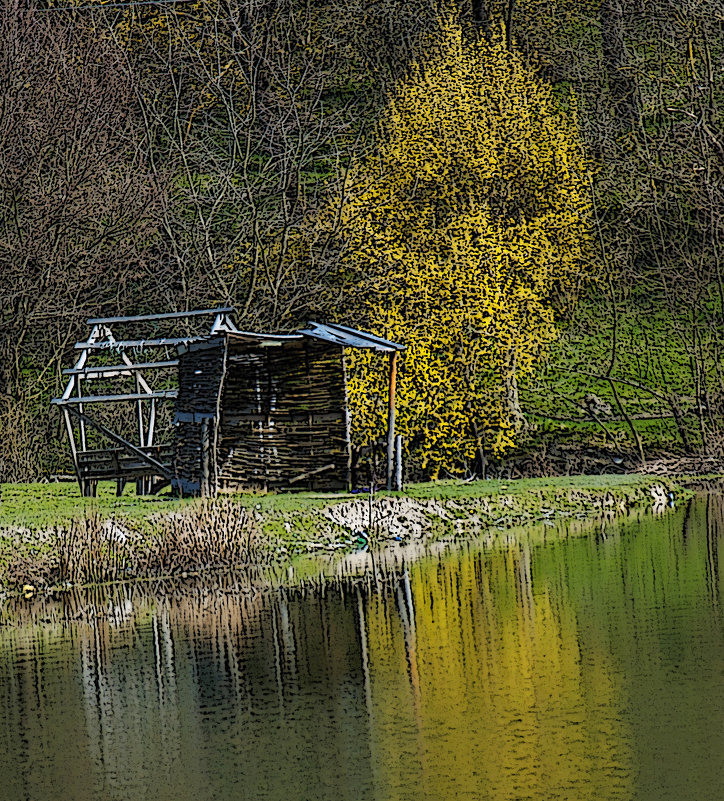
(50, 537)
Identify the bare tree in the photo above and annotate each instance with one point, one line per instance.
(77, 206)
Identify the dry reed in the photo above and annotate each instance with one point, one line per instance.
(213, 535)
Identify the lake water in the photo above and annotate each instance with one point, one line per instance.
(585, 668)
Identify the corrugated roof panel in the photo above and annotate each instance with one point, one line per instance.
(262, 339)
(349, 337)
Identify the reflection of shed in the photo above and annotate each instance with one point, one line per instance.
(251, 409)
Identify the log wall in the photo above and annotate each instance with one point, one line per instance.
(277, 415)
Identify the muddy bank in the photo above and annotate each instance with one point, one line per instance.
(404, 518)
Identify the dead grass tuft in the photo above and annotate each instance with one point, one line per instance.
(214, 535)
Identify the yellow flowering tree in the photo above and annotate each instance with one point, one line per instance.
(463, 224)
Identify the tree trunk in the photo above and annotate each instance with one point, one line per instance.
(619, 71)
(481, 16)
(512, 399)
(509, 12)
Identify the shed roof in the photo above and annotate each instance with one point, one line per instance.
(340, 335)
(349, 337)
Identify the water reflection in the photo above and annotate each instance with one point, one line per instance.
(577, 669)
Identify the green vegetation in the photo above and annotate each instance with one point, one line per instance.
(36, 506)
(534, 487)
(40, 505)
(49, 536)
(275, 166)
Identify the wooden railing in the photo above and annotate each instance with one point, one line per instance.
(116, 463)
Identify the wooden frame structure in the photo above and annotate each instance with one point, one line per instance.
(149, 464)
(250, 409)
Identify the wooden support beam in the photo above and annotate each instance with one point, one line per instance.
(142, 318)
(70, 386)
(161, 469)
(391, 419)
(141, 382)
(311, 473)
(207, 490)
(130, 396)
(83, 442)
(120, 344)
(116, 370)
(71, 441)
(151, 424)
(139, 412)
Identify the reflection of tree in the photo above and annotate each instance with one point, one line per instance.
(185, 698)
(504, 700)
(714, 527)
(578, 669)
(117, 688)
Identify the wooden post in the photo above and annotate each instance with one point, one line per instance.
(73, 449)
(139, 413)
(81, 425)
(141, 483)
(398, 462)
(371, 511)
(391, 418)
(205, 458)
(349, 477)
(151, 424)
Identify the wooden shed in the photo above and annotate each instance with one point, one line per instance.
(256, 410)
(268, 411)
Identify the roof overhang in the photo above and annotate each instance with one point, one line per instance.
(349, 337)
(340, 335)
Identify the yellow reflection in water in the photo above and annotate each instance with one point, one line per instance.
(493, 701)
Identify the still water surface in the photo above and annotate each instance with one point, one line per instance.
(586, 668)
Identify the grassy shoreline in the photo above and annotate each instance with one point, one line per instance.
(51, 537)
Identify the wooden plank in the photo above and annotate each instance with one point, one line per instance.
(120, 344)
(142, 318)
(391, 418)
(115, 370)
(131, 396)
(161, 469)
(311, 473)
(124, 474)
(156, 450)
(348, 337)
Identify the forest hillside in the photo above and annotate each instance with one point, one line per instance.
(528, 194)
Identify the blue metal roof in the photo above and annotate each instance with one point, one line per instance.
(349, 337)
